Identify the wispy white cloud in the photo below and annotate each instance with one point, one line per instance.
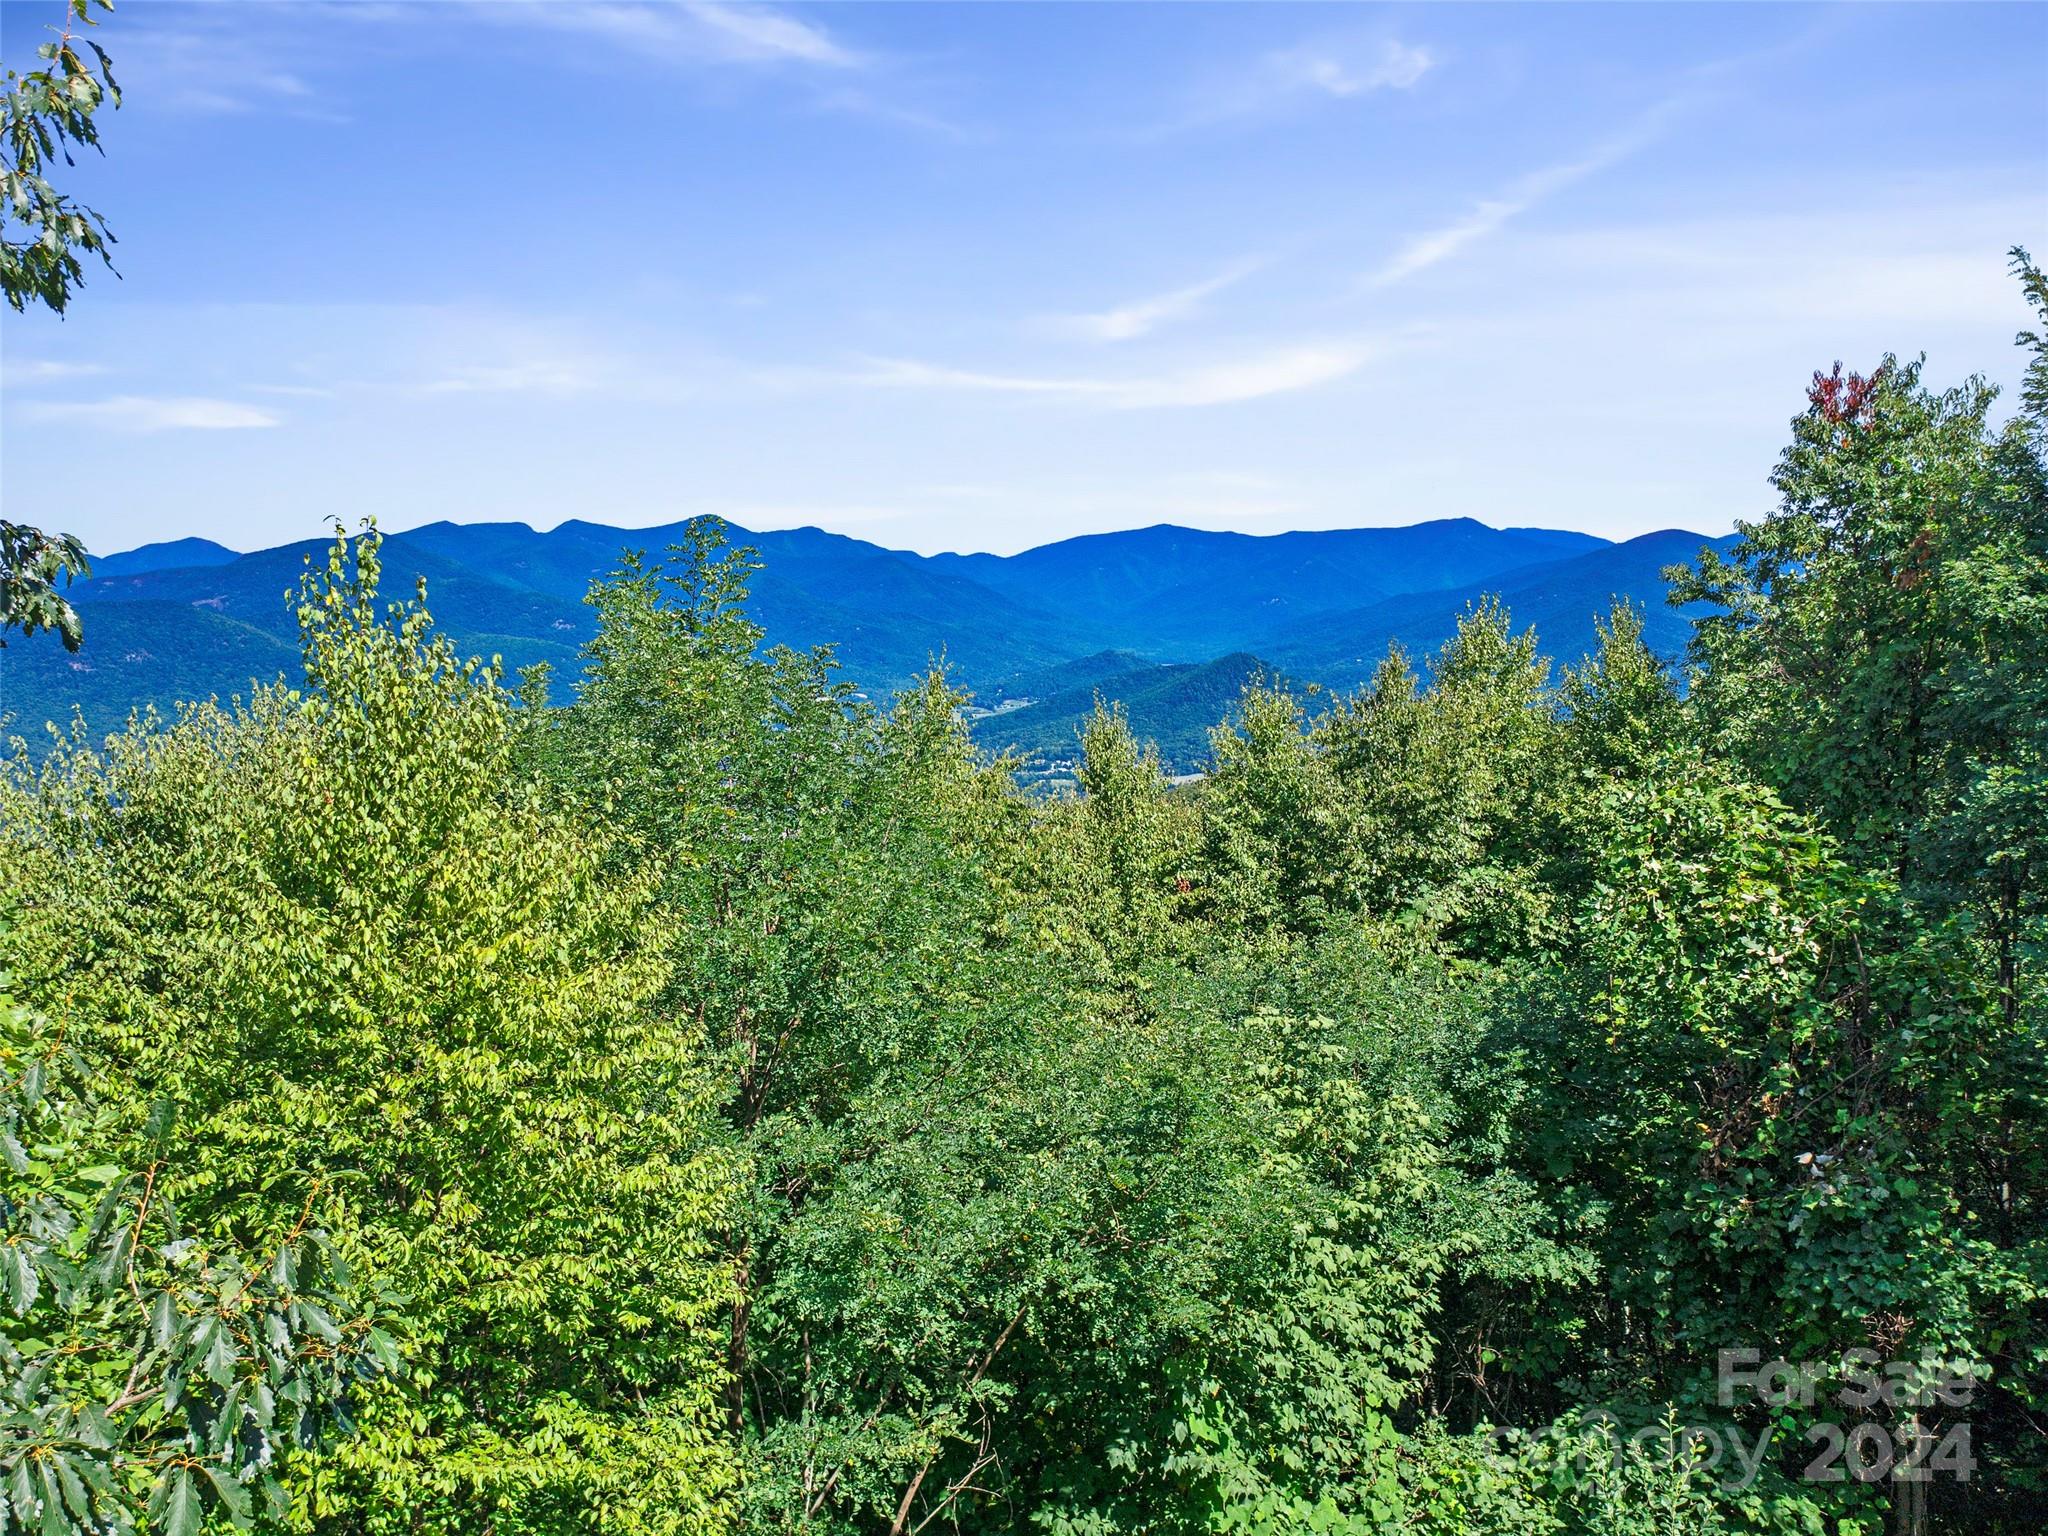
(864, 103)
(155, 413)
(1247, 378)
(462, 351)
(909, 373)
(1742, 281)
(536, 376)
(210, 62)
(756, 32)
(1389, 65)
(297, 391)
(1128, 321)
(1332, 68)
(17, 371)
(686, 29)
(1490, 215)
(1251, 378)
(836, 77)
(247, 93)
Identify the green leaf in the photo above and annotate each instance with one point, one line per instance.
(18, 1275)
(385, 1348)
(183, 1514)
(221, 1358)
(234, 1497)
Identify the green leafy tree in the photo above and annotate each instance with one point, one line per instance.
(1882, 638)
(1278, 837)
(1410, 808)
(1879, 660)
(1034, 1227)
(392, 986)
(147, 1376)
(1620, 706)
(44, 237)
(824, 921)
(35, 567)
(44, 114)
(1443, 785)
(1112, 872)
(1772, 1078)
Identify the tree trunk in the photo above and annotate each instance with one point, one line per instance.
(1909, 1480)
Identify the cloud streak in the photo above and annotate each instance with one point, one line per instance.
(155, 413)
(45, 371)
(756, 32)
(1391, 66)
(1130, 321)
(202, 62)
(688, 29)
(540, 376)
(1255, 377)
(1332, 69)
(701, 34)
(1491, 215)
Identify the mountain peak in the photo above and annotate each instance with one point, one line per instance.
(169, 555)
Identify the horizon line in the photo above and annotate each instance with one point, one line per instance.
(1107, 533)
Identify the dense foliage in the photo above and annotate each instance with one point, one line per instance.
(44, 233)
(716, 1101)
(44, 236)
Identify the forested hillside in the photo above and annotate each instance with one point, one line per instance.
(1172, 707)
(1500, 1098)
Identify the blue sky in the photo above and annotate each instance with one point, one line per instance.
(979, 277)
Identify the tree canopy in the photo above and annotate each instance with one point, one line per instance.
(691, 1097)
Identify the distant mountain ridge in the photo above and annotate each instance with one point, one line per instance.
(1560, 599)
(1172, 588)
(174, 554)
(1167, 618)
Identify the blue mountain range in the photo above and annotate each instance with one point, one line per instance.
(1170, 620)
